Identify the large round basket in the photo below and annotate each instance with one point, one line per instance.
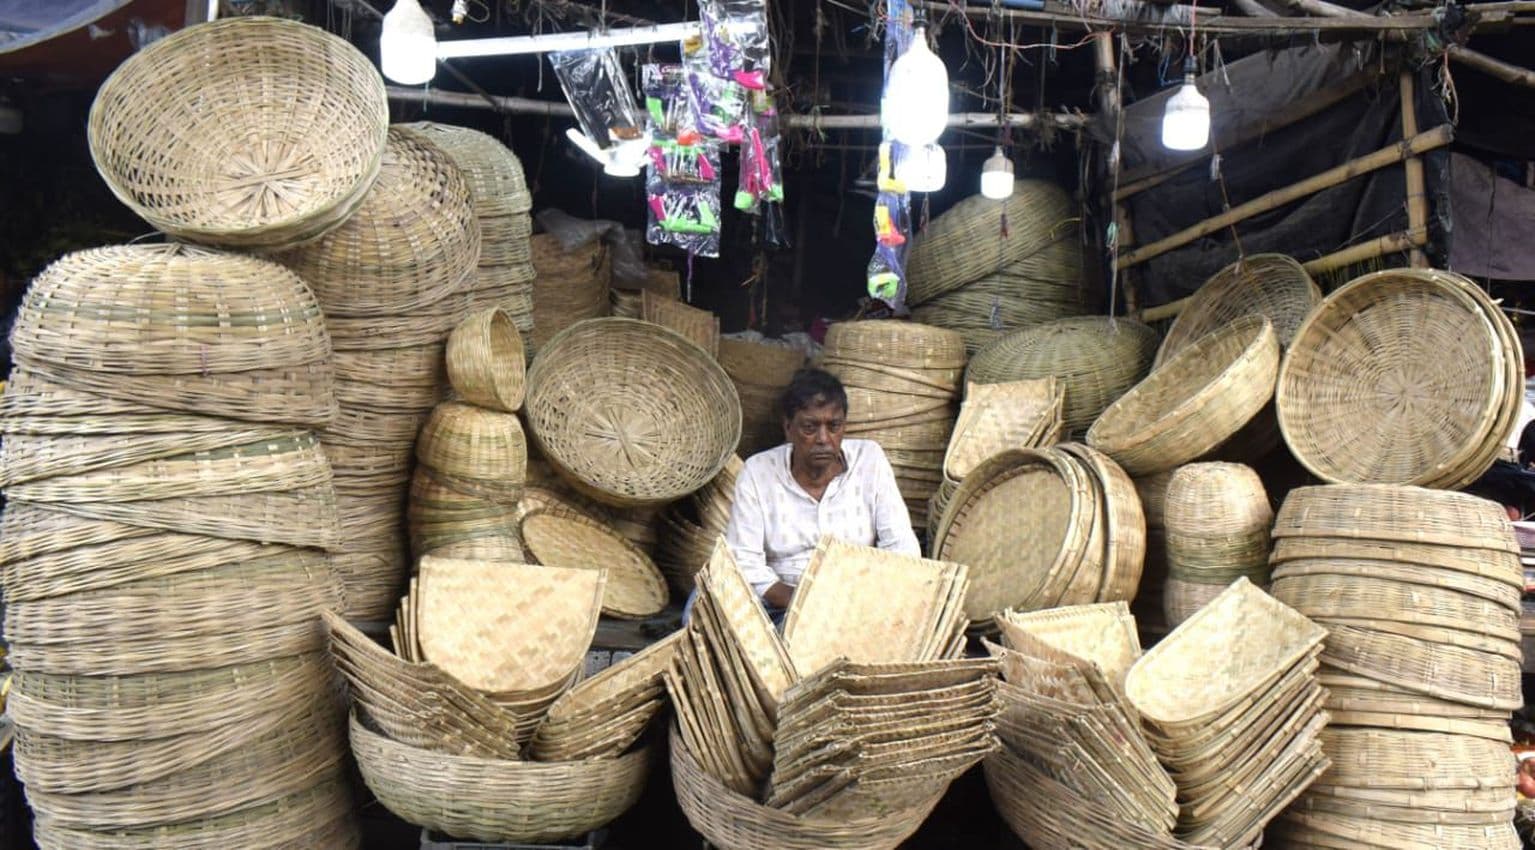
(484, 799)
(731, 821)
(247, 132)
(1192, 403)
(494, 173)
(1096, 358)
(630, 412)
(1401, 377)
(1271, 284)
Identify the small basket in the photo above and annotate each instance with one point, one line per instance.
(1217, 522)
(485, 361)
(630, 412)
(247, 132)
(1192, 403)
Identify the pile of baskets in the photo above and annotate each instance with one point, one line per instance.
(1082, 538)
(1216, 524)
(1407, 376)
(390, 280)
(570, 286)
(1420, 593)
(504, 276)
(1149, 603)
(1096, 359)
(902, 382)
(986, 267)
(162, 552)
(855, 752)
(760, 371)
(471, 726)
(690, 527)
(1231, 704)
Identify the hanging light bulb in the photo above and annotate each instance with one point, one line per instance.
(997, 176)
(923, 169)
(408, 46)
(916, 107)
(1186, 122)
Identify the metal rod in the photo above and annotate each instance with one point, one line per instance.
(582, 40)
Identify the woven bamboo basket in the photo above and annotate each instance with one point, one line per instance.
(414, 240)
(758, 363)
(507, 240)
(979, 236)
(1192, 403)
(485, 361)
(495, 800)
(480, 451)
(701, 327)
(1217, 522)
(1273, 285)
(495, 175)
(903, 345)
(570, 287)
(631, 413)
(1409, 369)
(627, 303)
(28, 457)
(1096, 359)
(247, 132)
(1324, 596)
(1182, 599)
(1040, 288)
(181, 329)
(440, 514)
(1408, 515)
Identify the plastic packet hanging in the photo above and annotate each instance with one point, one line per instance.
(682, 184)
(734, 40)
(761, 175)
(684, 215)
(598, 91)
(718, 105)
(668, 107)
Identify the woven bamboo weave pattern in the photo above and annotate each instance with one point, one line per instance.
(1271, 284)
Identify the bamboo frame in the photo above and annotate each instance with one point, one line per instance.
(1390, 155)
(1417, 202)
(1495, 67)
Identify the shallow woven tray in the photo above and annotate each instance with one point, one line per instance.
(635, 588)
(1395, 513)
(630, 412)
(1193, 402)
(247, 132)
(1103, 634)
(507, 627)
(995, 417)
(1273, 285)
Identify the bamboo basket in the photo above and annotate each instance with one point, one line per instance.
(249, 132)
(485, 361)
(414, 240)
(1217, 522)
(1271, 284)
(569, 288)
(1040, 288)
(631, 413)
(1096, 359)
(494, 173)
(1192, 403)
(474, 450)
(700, 327)
(497, 800)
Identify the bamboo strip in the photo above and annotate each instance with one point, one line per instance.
(1417, 205)
(1488, 65)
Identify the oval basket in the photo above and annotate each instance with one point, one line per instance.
(247, 132)
(1273, 285)
(630, 412)
(1192, 403)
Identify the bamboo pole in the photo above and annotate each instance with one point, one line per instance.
(1110, 104)
(1165, 311)
(1176, 16)
(1417, 202)
(1389, 244)
(1488, 65)
(1435, 138)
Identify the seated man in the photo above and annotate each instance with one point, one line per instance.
(816, 484)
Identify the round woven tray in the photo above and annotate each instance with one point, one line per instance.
(1096, 359)
(247, 132)
(1379, 512)
(635, 588)
(1383, 599)
(1192, 403)
(413, 241)
(494, 800)
(1399, 377)
(630, 412)
(1273, 285)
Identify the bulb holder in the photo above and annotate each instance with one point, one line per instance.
(923, 169)
(408, 44)
(1186, 120)
(916, 102)
(997, 176)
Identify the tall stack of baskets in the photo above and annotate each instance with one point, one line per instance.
(571, 285)
(760, 372)
(504, 277)
(163, 552)
(986, 267)
(903, 384)
(1419, 591)
(391, 280)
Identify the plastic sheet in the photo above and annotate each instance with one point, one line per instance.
(598, 91)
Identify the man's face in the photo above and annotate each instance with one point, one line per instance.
(816, 433)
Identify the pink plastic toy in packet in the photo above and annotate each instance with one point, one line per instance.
(682, 184)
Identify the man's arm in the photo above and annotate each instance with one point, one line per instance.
(746, 535)
(892, 522)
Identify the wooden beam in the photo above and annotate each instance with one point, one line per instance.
(1390, 155)
(1417, 202)
(1390, 244)
(1504, 71)
(1165, 311)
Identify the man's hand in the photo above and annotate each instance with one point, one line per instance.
(779, 595)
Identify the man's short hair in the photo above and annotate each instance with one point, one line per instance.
(811, 388)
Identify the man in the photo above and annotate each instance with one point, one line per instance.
(816, 484)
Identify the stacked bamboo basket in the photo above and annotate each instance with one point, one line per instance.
(987, 267)
(845, 731)
(760, 371)
(474, 724)
(902, 381)
(1419, 591)
(164, 552)
(391, 281)
(1216, 524)
(1096, 359)
(570, 286)
(504, 276)
(690, 527)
